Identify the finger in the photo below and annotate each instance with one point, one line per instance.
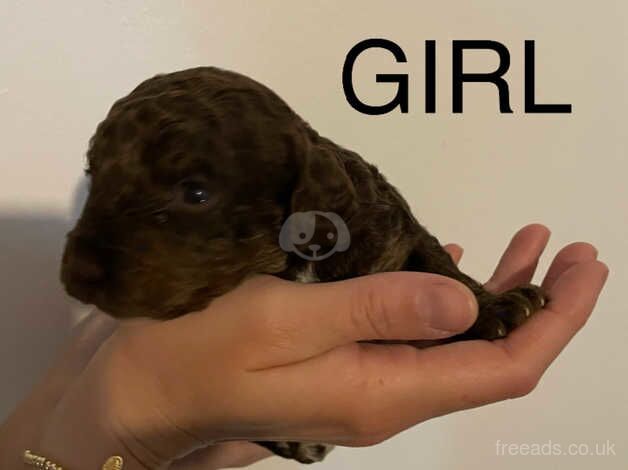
(222, 455)
(473, 373)
(571, 254)
(292, 322)
(519, 261)
(450, 377)
(512, 366)
(572, 298)
(455, 251)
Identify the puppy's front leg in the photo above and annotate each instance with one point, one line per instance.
(498, 313)
(301, 451)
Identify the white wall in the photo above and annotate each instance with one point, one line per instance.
(472, 178)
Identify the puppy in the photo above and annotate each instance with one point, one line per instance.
(204, 177)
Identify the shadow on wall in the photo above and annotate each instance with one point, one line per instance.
(36, 314)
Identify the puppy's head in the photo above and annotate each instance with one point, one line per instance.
(191, 178)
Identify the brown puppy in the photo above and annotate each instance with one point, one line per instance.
(203, 177)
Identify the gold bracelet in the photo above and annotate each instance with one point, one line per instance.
(113, 463)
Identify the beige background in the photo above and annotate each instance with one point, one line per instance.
(472, 178)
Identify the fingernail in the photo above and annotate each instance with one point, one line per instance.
(448, 307)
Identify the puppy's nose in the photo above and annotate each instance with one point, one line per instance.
(314, 247)
(83, 268)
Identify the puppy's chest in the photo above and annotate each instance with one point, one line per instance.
(393, 259)
(307, 274)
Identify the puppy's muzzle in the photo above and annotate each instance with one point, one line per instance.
(83, 267)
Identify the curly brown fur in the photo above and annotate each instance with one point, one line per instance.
(193, 175)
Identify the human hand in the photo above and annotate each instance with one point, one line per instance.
(274, 360)
(28, 423)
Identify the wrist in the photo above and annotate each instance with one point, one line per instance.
(79, 433)
(114, 408)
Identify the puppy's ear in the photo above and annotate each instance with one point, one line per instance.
(324, 184)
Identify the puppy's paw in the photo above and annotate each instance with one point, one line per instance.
(500, 314)
(300, 451)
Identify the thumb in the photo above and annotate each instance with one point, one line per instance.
(292, 322)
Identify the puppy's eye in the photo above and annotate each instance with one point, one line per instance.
(195, 193)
